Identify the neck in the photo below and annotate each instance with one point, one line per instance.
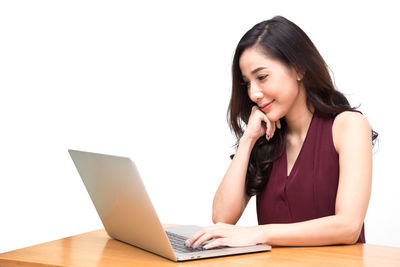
(299, 116)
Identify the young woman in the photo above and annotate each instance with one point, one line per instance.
(305, 152)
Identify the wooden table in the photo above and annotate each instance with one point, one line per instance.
(97, 249)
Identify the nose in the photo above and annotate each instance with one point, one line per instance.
(255, 93)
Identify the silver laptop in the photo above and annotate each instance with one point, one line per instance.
(125, 209)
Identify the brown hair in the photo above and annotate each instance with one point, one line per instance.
(282, 40)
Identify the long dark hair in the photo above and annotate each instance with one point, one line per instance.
(281, 40)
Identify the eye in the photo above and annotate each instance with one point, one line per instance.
(262, 77)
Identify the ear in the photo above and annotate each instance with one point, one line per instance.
(298, 71)
(300, 75)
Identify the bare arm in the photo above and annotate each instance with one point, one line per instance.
(352, 140)
(231, 199)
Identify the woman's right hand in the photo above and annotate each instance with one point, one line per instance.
(259, 125)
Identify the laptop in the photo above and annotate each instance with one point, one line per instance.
(125, 209)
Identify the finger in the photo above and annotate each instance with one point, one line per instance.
(278, 124)
(194, 237)
(267, 125)
(270, 127)
(214, 231)
(272, 130)
(202, 239)
(216, 243)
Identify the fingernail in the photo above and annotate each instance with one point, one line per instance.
(187, 243)
(195, 245)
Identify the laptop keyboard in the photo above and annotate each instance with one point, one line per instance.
(178, 243)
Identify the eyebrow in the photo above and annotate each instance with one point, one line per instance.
(256, 70)
(259, 68)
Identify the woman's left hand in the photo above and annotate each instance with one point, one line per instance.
(226, 235)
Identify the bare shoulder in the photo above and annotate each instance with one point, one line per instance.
(350, 126)
(347, 118)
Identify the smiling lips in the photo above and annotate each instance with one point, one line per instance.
(267, 106)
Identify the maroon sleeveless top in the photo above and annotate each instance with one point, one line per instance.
(309, 192)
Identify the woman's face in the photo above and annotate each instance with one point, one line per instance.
(270, 84)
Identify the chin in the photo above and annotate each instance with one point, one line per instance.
(272, 116)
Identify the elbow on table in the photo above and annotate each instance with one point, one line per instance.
(217, 218)
(352, 234)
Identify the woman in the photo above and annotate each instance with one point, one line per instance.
(305, 152)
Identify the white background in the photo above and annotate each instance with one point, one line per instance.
(152, 81)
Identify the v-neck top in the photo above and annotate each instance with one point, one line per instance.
(309, 191)
(285, 160)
